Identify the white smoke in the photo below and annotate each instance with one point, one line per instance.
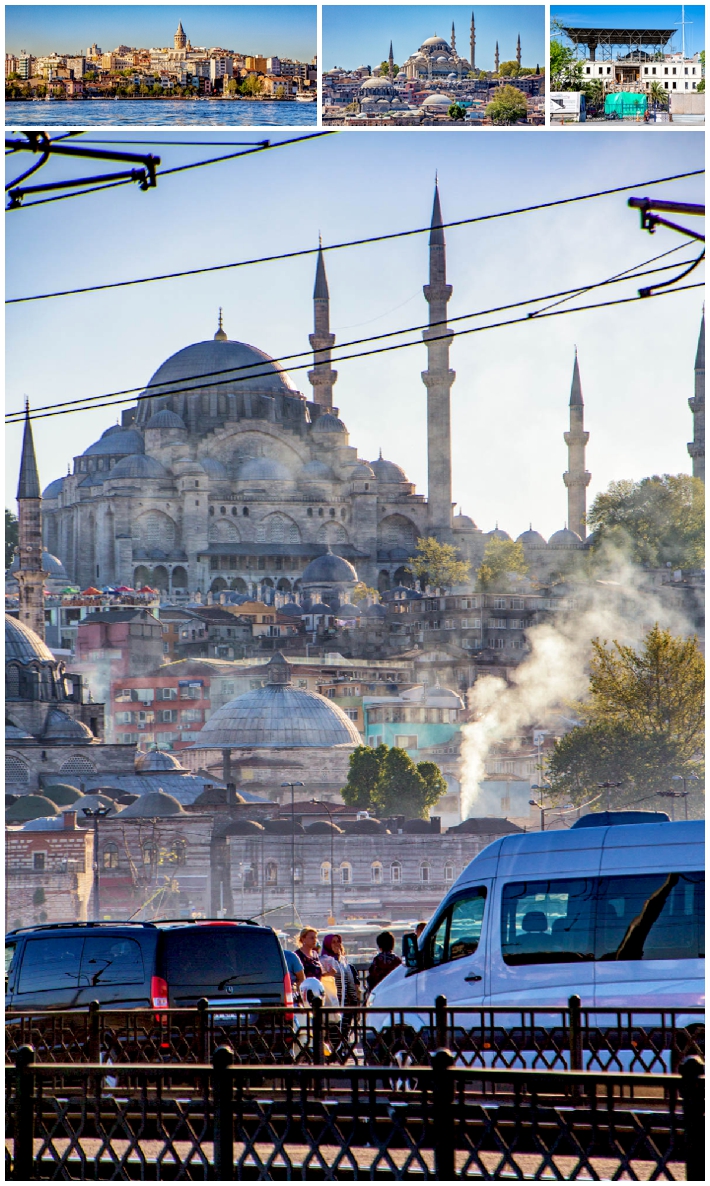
(623, 607)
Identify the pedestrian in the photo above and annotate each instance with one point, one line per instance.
(384, 962)
(418, 929)
(308, 953)
(295, 971)
(335, 964)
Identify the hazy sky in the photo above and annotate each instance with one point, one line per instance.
(650, 16)
(510, 398)
(285, 29)
(360, 35)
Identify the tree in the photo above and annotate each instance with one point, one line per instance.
(385, 68)
(280, 91)
(508, 107)
(501, 557)
(364, 775)
(436, 564)
(658, 95)
(456, 111)
(590, 755)
(508, 69)
(253, 85)
(659, 520)
(363, 591)
(594, 94)
(404, 790)
(565, 70)
(12, 536)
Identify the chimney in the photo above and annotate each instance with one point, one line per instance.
(69, 818)
(435, 824)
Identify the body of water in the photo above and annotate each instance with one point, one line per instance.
(176, 113)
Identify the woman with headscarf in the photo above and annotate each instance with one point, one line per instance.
(334, 962)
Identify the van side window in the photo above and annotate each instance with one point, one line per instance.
(548, 922)
(50, 964)
(10, 949)
(459, 930)
(652, 917)
(111, 961)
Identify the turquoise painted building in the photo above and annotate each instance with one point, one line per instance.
(415, 720)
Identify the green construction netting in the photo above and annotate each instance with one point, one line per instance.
(625, 104)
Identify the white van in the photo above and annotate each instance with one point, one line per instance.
(614, 914)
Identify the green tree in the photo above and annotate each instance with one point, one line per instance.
(437, 564)
(404, 790)
(385, 69)
(364, 774)
(253, 85)
(508, 69)
(156, 89)
(12, 536)
(658, 94)
(594, 94)
(456, 111)
(508, 107)
(362, 591)
(659, 520)
(280, 91)
(501, 557)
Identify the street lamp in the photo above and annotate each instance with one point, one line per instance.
(542, 787)
(608, 786)
(321, 803)
(673, 795)
(96, 813)
(293, 848)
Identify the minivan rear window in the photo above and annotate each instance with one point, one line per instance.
(109, 960)
(214, 957)
(50, 964)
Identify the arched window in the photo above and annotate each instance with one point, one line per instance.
(346, 873)
(251, 877)
(12, 682)
(395, 873)
(178, 852)
(297, 874)
(424, 872)
(223, 510)
(325, 873)
(245, 511)
(149, 853)
(376, 873)
(16, 772)
(77, 765)
(272, 873)
(179, 577)
(234, 510)
(448, 873)
(211, 510)
(110, 855)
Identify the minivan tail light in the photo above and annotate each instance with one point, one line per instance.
(158, 992)
(288, 997)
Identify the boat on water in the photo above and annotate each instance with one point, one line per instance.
(305, 98)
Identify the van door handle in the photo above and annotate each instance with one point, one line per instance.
(472, 978)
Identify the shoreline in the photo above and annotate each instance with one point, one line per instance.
(161, 99)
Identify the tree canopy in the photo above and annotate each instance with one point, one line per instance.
(660, 520)
(387, 781)
(500, 558)
(12, 537)
(456, 111)
(508, 107)
(385, 68)
(437, 564)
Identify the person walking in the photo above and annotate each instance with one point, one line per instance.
(307, 952)
(334, 962)
(384, 962)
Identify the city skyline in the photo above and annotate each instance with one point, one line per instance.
(652, 16)
(285, 30)
(509, 401)
(355, 35)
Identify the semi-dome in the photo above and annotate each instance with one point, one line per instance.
(532, 539)
(251, 370)
(53, 490)
(327, 422)
(154, 760)
(213, 467)
(328, 568)
(22, 645)
(263, 468)
(317, 469)
(61, 729)
(387, 471)
(166, 418)
(564, 539)
(138, 466)
(52, 565)
(278, 716)
(153, 805)
(116, 440)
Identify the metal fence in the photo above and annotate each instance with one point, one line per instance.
(227, 1121)
(576, 1038)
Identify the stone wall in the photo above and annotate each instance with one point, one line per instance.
(58, 893)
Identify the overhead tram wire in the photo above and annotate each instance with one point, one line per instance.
(346, 243)
(16, 417)
(632, 273)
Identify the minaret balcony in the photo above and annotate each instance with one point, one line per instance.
(438, 333)
(437, 292)
(575, 437)
(438, 378)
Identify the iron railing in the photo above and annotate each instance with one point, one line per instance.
(652, 1041)
(227, 1121)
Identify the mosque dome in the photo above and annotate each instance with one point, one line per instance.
(278, 716)
(328, 568)
(360, 470)
(293, 609)
(379, 85)
(29, 807)
(265, 468)
(434, 43)
(61, 729)
(22, 645)
(53, 490)
(437, 102)
(166, 418)
(346, 611)
(94, 479)
(564, 539)
(374, 611)
(317, 469)
(62, 794)
(51, 565)
(387, 471)
(116, 440)
(156, 760)
(138, 466)
(532, 539)
(91, 802)
(152, 805)
(464, 523)
(327, 422)
(319, 609)
(213, 467)
(496, 533)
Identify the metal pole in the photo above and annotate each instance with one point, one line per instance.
(97, 874)
(293, 859)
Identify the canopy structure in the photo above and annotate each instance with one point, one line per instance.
(625, 105)
(650, 40)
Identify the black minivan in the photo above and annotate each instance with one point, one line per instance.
(154, 965)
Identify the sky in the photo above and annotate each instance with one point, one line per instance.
(651, 16)
(510, 397)
(283, 29)
(360, 35)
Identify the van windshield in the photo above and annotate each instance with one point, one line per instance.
(214, 957)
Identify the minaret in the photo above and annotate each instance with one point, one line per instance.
(577, 478)
(473, 42)
(438, 379)
(180, 40)
(322, 340)
(497, 59)
(696, 403)
(518, 52)
(30, 576)
(390, 66)
(453, 38)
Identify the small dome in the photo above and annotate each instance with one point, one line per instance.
(22, 644)
(139, 466)
(464, 523)
(326, 422)
(62, 794)
(324, 828)
(496, 533)
(91, 802)
(53, 490)
(59, 728)
(437, 101)
(263, 468)
(244, 827)
(319, 608)
(346, 611)
(387, 471)
(374, 611)
(531, 539)
(565, 539)
(328, 568)
(155, 759)
(442, 697)
(166, 418)
(13, 734)
(317, 469)
(360, 470)
(29, 807)
(293, 609)
(151, 805)
(213, 467)
(116, 440)
(52, 565)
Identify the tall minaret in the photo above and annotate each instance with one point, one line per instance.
(497, 59)
(696, 448)
(322, 340)
(438, 379)
(518, 52)
(473, 43)
(180, 40)
(390, 64)
(453, 37)
(577, 478)
(30, 576)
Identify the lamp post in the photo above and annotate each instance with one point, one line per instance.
(541, 787)
(322, 803)
(685, 779)
(608, 786)
(293, 848)
(96, 813)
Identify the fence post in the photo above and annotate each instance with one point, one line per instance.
(443, 1113)
(692, 1089)
(94, 1032)
(24, 1117)
(317, 1036)
(223, 1088)
(440, 1005)
(203, 1051)
(575, 1033)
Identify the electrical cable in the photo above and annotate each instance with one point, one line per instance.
(348, 243)
(232, 372)
(17, 417)
(620, 276)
